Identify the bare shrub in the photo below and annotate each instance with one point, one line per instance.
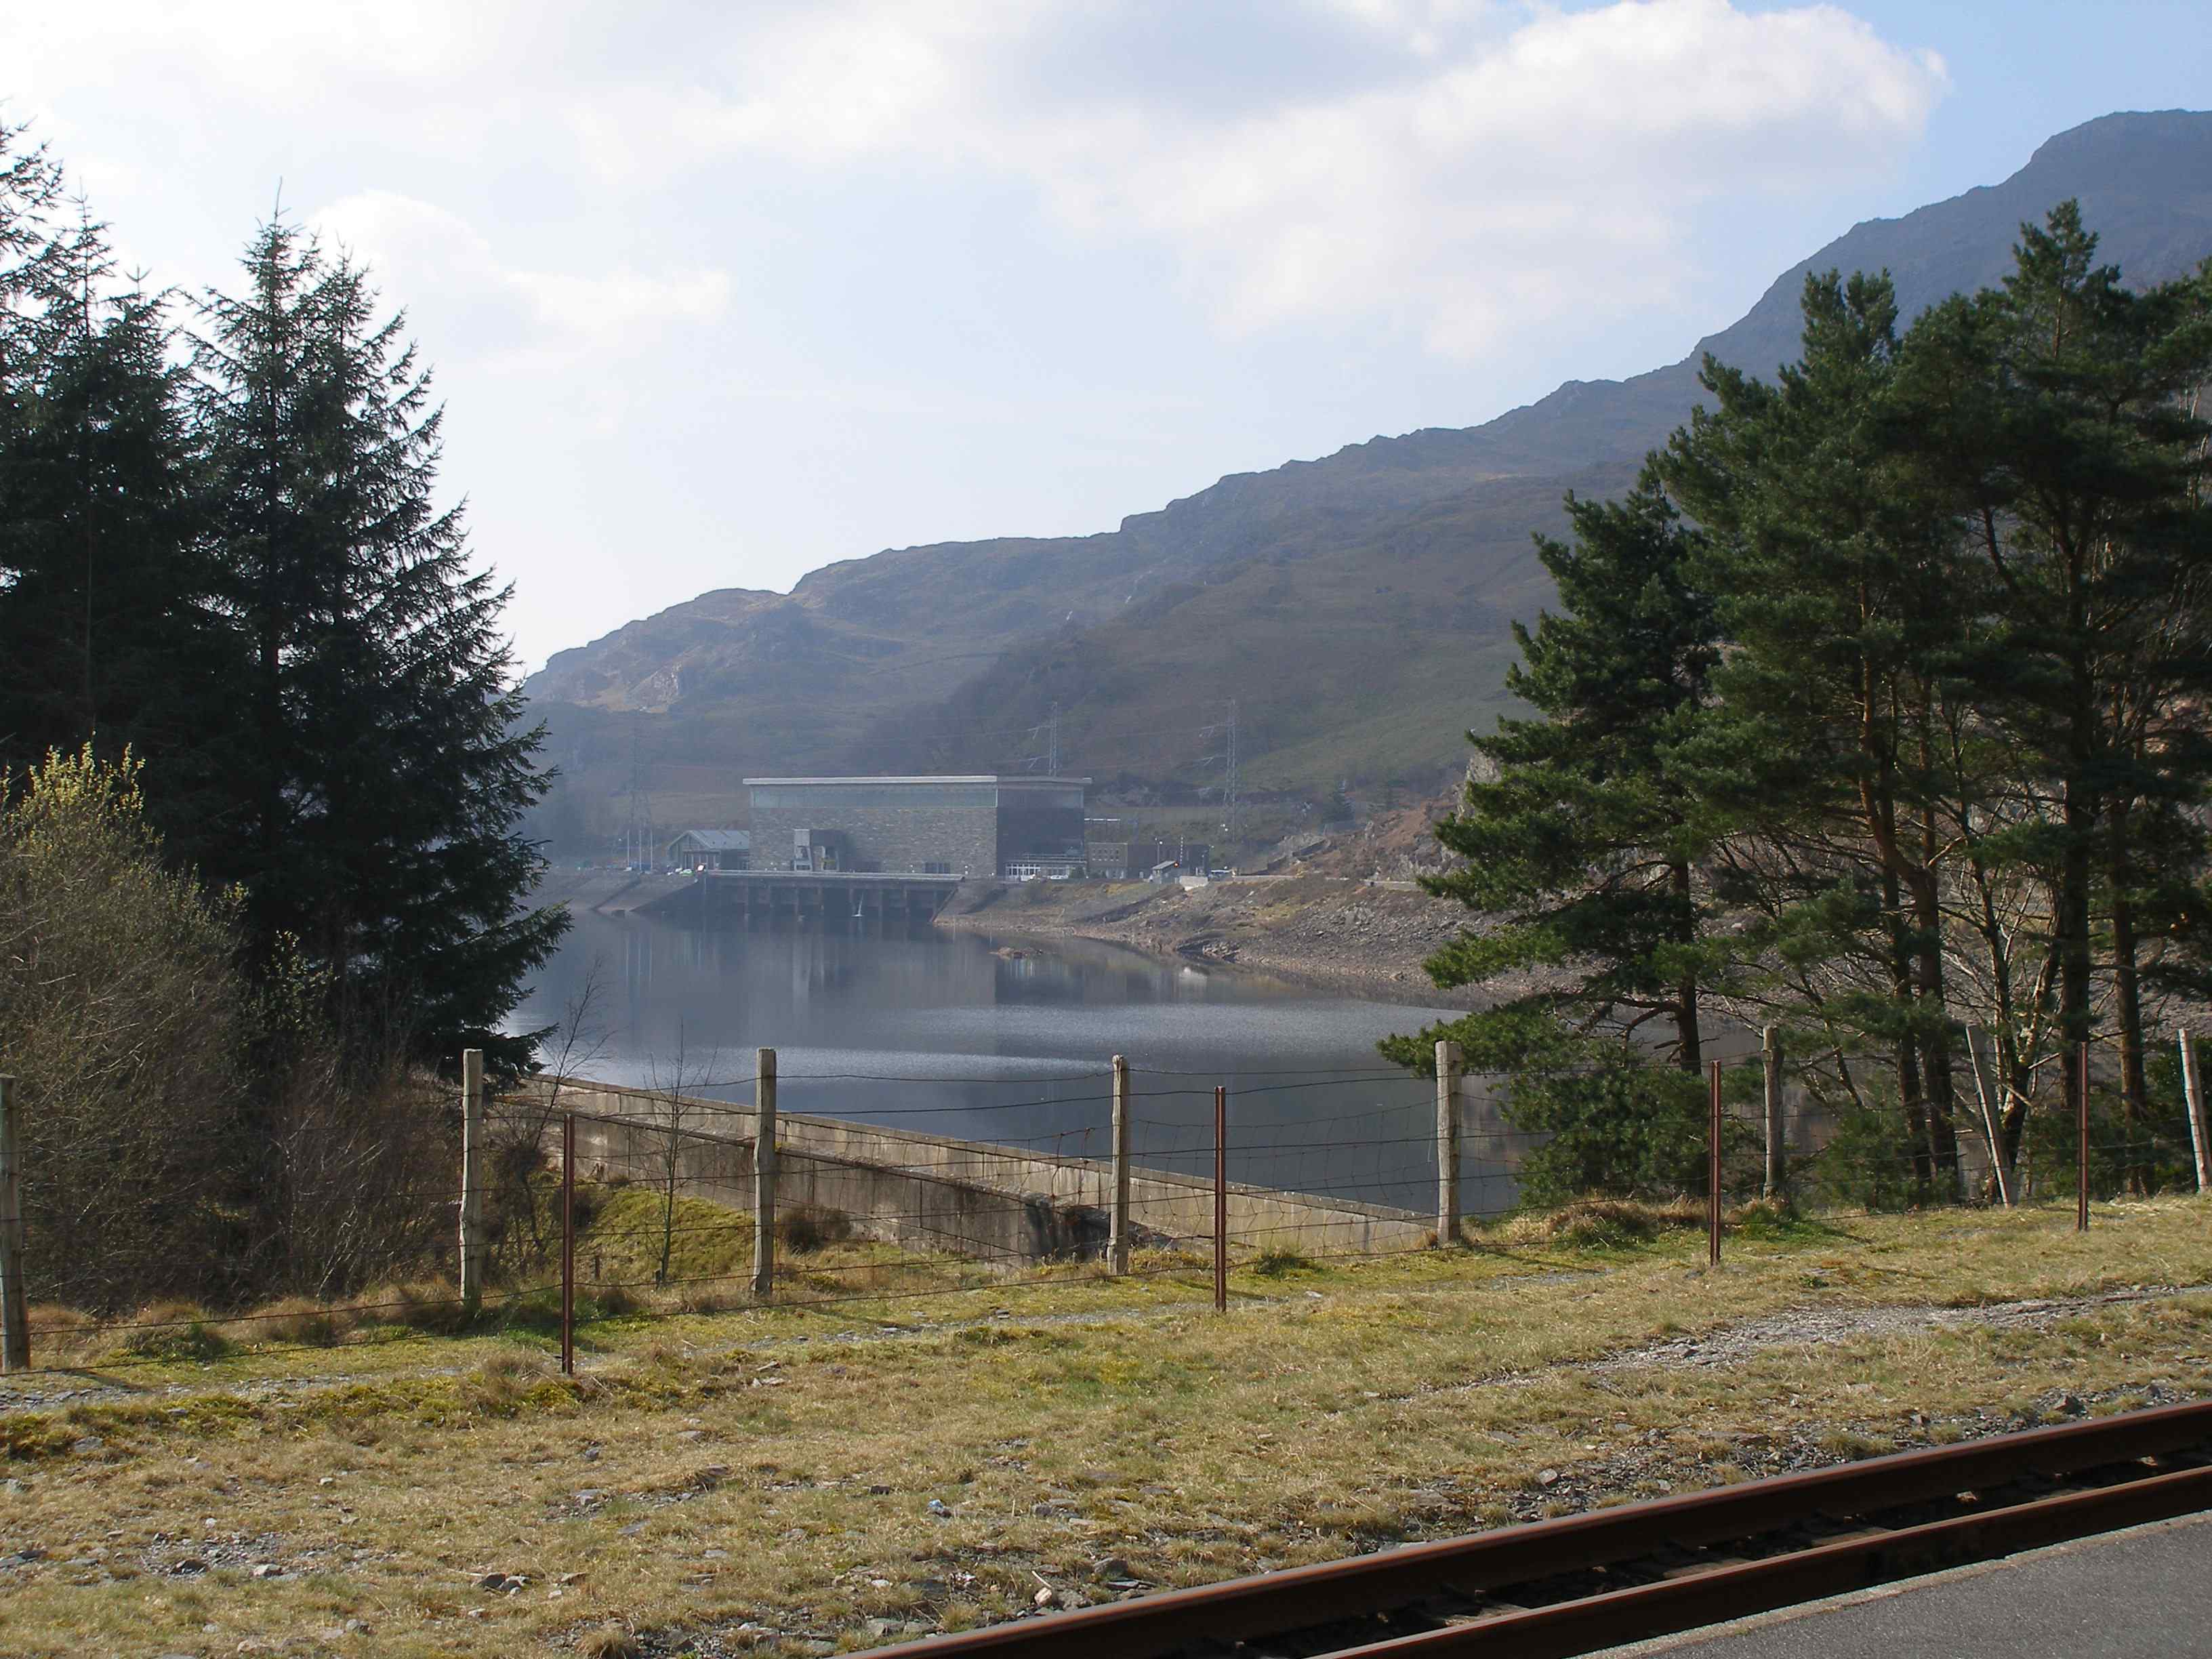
(361, 1174)
(119, 1019)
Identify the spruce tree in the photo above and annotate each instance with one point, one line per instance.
(1582, 858)
(110, 630)
(384, 769)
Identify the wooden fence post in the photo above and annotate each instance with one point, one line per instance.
(764, 1178)
(1220, 1199)
(1447, 1144)
(1777, 1147)
(14, 1312)
(472, 1149)
(1713, 1172)
(1118, 1244)
(2200, 1135)
(568, 1244)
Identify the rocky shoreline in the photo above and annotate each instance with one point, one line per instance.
(1365, 938)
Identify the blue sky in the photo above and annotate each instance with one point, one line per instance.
(721, 294)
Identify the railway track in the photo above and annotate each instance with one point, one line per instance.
(1587, 1581)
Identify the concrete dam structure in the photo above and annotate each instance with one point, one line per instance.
(975, 1199)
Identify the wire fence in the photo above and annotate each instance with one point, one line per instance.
(544, 1203)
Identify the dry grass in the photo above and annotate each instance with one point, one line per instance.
(1601, 1224)
(297, 1319)
(181, 1331)
(775, 1466)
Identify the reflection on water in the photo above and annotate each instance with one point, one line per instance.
(961, 1034)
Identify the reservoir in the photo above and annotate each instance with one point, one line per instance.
(1009, 1040)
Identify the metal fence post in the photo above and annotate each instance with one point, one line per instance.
(1447, 1144)
(472, 1149)
(1713, 1173)
(568, 1244)
(2082, 1164)
(1118, 1244)
(2200, 1135)
(764, 1178)
(1778, 1145)
(15, 1310)
(1220, 1199)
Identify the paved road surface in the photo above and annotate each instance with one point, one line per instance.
(2144, 1593)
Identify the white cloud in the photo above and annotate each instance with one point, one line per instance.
(443, 265)
(1497, 170)
(895, 271)
(1433, 168)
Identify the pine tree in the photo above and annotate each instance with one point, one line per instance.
(1582, 857)
(386, 772)
(2061, 409)
(1846, 603)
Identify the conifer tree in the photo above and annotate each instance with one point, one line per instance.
(108, 630)
(1845, 605)
(383, 772)
(2063, 410)
(1582, 856)
(109, 627)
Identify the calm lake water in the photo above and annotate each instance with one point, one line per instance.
(963, 1034)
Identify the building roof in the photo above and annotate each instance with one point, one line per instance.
(718, 841)
(1015, 779)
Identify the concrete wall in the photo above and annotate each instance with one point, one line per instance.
(899, 840)
(971, 1197)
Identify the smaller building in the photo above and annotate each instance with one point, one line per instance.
(711, 850)
(1018, 827)
(1107, 860)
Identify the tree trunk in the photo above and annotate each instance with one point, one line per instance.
(2080, 812)
(2135, 1093)
(1909, 1093)
(1687, 1034)
(2073, 941)
(1935, 1021)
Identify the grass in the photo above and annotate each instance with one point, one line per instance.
(775, 1466)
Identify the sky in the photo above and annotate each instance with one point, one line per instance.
(717, 293)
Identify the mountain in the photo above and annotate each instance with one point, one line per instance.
(1357, 606)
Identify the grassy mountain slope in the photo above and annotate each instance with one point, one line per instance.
(1357, 606)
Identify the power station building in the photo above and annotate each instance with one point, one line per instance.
(1010, 827)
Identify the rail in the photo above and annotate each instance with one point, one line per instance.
(1582, 1582)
